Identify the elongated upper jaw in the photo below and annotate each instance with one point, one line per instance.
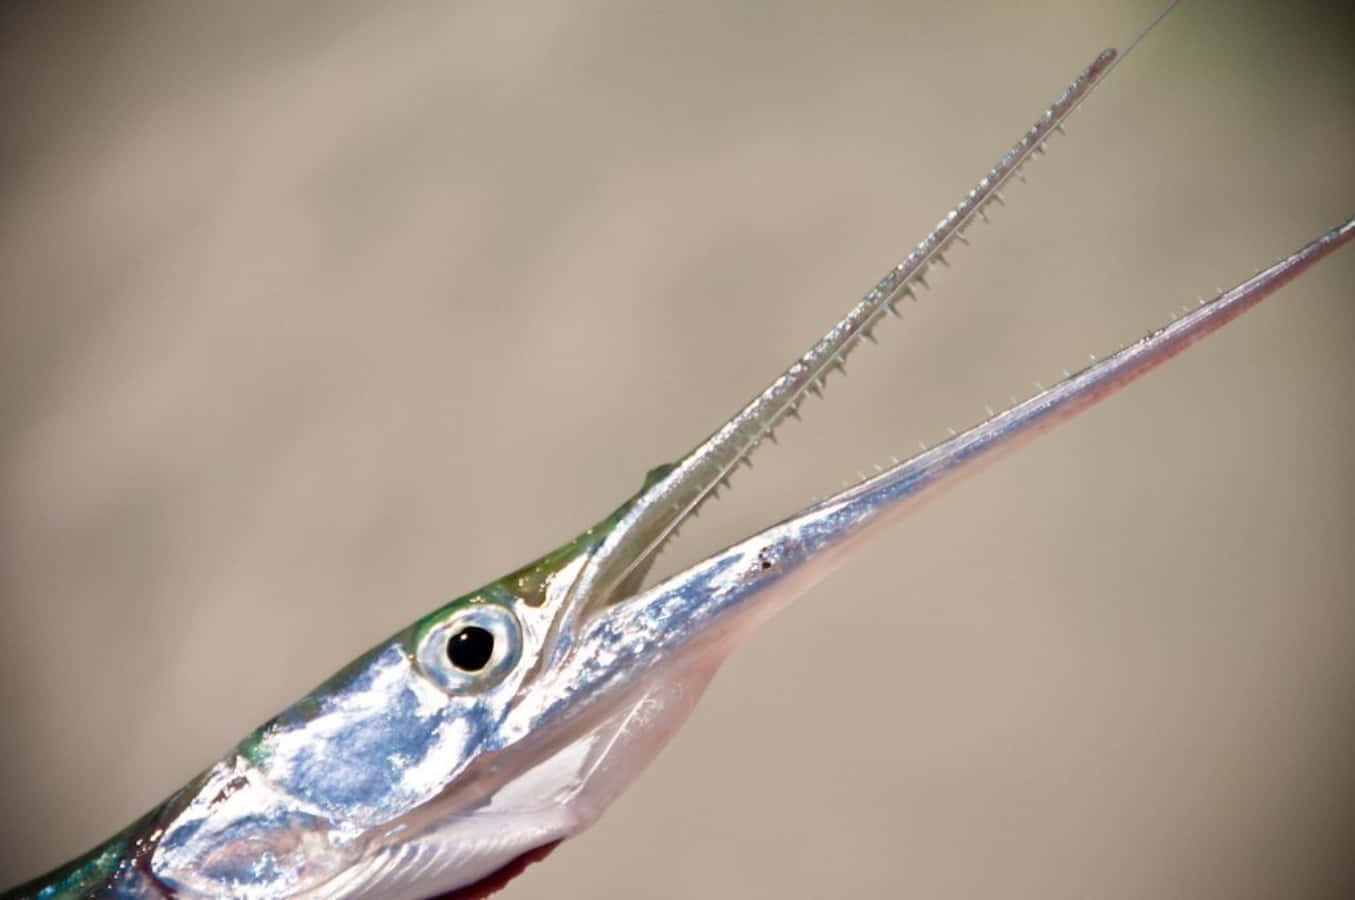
(623, 555)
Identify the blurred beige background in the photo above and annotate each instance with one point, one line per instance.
(316, 316)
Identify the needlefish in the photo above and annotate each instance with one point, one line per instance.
(450, 755)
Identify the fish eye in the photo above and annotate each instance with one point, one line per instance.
(472, 649)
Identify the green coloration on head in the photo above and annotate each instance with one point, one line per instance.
(253, 747)
(528, 583)
(86, 875)
(494, 592)
(89, 872)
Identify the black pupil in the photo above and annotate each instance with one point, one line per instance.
(470, 648)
